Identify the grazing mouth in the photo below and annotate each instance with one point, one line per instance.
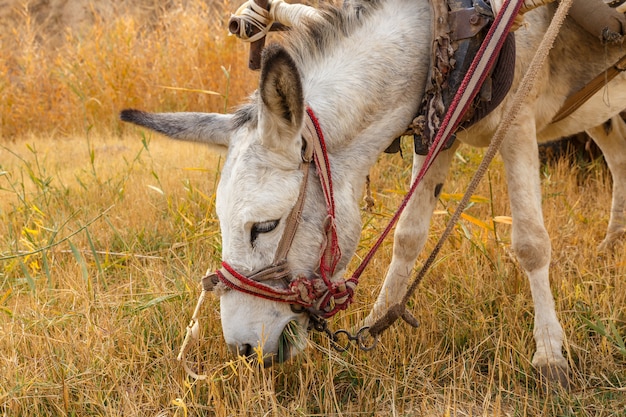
(291, 341)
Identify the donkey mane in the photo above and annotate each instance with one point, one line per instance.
(310, 41)
(246, 113)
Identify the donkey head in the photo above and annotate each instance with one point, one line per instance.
(259, 184)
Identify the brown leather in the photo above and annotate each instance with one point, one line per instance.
(577, 99)
(209, 281)
(254, 61)
(466, 23)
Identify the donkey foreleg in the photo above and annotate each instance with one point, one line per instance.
(531, 244)
(411, 233)
(611, 138)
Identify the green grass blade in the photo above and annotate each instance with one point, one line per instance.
(46, 267)
(96, 258)
(29, 278)
(83, 265)
(158, 300)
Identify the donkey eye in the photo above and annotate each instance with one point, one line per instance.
(262, 227)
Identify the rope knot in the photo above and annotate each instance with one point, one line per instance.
(337, 297)
(253, 17)
(304, 290)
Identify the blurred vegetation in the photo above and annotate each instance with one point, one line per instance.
(172, 58)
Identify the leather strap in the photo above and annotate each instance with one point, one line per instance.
(599, 19)
(292, 221)
(320, 294)
(576, 100)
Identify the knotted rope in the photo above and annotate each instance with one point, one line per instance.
(252, 22)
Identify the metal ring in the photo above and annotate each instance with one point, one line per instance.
(361, 337)
(335, 340)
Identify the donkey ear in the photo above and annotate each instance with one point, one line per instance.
(210, 128)
(281, 110)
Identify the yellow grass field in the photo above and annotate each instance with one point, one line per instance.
(105, 230)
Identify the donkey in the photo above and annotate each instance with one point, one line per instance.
(362, 70)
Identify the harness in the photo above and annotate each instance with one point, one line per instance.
(320, 295)
(459, 29)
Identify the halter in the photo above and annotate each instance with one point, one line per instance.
(320, 295)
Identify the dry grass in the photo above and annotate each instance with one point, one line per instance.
(104, 234)
(80, 85)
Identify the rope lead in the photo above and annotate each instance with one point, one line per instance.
(522, 93)
(193, 333)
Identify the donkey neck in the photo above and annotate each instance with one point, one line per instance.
(365, 85)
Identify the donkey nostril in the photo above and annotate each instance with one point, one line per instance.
(245, 349)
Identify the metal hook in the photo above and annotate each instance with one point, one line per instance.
(362, 338)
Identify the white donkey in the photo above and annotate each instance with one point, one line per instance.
(362, 71)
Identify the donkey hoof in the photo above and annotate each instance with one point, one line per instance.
(553, 376)
(610, 243)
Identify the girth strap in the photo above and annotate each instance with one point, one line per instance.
(579, 98)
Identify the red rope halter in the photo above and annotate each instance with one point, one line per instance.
(320, 294)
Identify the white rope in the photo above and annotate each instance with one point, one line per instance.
(287, 14)
(291, 14)
(253, 14)
(193, 330)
